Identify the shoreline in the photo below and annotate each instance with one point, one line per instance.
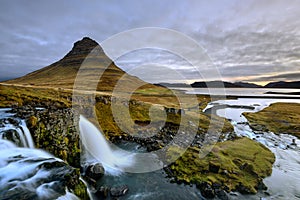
(247, 96)
(284, 145)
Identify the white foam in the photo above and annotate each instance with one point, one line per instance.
(97, 148)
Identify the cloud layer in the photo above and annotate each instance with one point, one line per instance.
(247, 40)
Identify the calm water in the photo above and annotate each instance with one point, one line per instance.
(255, 92)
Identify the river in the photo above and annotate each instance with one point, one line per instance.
(282, 184)
(242, 92)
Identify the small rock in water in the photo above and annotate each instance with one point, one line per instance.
(294, 142)
(119, 191)
(221, 194)
(102, 192)
(95, 171)
(206, 190)
(234, 194)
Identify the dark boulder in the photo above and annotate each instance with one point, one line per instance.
(213, 167)
(243, 189)
(119, 191)
(206, 190)
(95, 171)
(221, 194)
(19, 193)
(102, 192)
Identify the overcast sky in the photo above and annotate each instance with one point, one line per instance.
(249, 40)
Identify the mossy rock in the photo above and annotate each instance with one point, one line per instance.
(238, 165)
(32, 121)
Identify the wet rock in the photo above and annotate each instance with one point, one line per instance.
(168, 172)
(261, 186)
(221, 194)
(102, 192)
(243, 189)
(12, 121)
(294, 142)
(46, 174)
(234, 194)
(24, 111)
(206, 190)
(95, 171)
(19, 193)
(119, 191)
(258, 127)
(13, 136)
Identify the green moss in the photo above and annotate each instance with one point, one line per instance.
(241, 162)
(81, 191)
(76, 186)
(278, 118)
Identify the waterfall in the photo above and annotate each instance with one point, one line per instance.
(17, 133)
(97, 149)
(27, 134)
(25, 171)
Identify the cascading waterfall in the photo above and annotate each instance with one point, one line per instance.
(97, 149)
(24, 170)
(17, 132)
(26, 133)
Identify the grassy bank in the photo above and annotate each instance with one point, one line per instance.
(278, 118)
(238, 165)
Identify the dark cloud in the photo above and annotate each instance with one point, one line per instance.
(279, 77)
(243, 38)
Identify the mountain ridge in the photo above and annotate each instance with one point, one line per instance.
(225, 84)
(283, 84)
(62, 73)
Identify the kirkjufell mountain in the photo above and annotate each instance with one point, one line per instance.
(62, 73)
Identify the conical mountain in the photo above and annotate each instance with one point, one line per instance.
(63, 73)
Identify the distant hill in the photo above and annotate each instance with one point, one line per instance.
(62, 73)
(219, 84)
(213, 84)
(173, 85)
(283, 84)
(247, 85)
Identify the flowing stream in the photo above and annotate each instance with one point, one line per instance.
(284, 183)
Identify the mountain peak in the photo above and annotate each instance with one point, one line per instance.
(83, 46)
(85, 42)
(80, 51)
